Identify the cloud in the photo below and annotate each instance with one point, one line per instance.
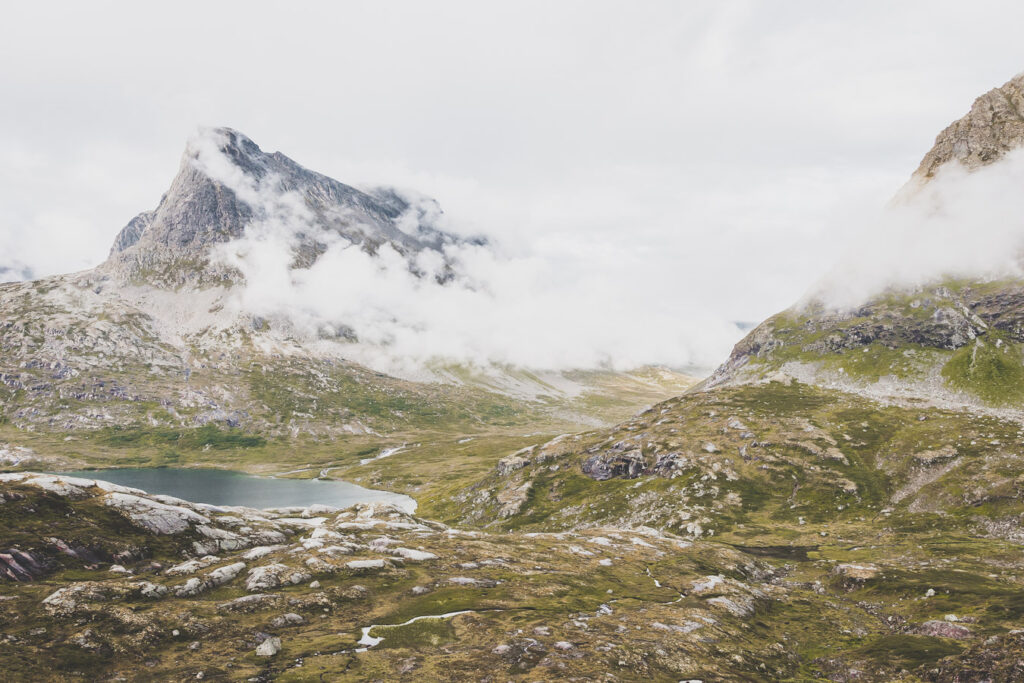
(685, 152)
(14, 272)
(560, 305)
(960, 224)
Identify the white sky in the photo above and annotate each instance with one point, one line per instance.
(717, 148)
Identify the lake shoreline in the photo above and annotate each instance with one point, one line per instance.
(215, 486)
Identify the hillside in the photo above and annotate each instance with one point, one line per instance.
(872, 450)
(953, 341)
(843, 499)
(158, 337)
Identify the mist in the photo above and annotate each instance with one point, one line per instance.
(551, 305)
(695, 138)
(542, 299)
(647, 175)
(959, 224)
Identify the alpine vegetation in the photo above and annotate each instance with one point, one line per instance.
(295, 430)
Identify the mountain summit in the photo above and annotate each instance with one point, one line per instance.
(226, 184)
(993, 126)
(172, 328)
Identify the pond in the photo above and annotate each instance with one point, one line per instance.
(221, 487)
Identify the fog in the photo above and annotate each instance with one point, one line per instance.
(960, 224)
(646, 173)
(556, 306)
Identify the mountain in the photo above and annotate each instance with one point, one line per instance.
(158, 338)
(923, 383)
(842, 500)
(872, 451)
(952, 341)
(226, 184)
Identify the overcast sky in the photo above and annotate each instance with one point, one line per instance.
(717, 148)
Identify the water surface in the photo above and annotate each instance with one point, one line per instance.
(220, 487)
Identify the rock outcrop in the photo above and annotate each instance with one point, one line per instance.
(226, 184)
(993, 126)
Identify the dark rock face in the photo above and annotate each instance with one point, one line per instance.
(617, 461)
(202, 209)
(18, 565)
(665, 464)
(89, 556)
(1003, 310)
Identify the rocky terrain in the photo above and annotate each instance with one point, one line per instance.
(143, 587)
(140, 587)
(156, 335)
(843, 499)
(993, 127)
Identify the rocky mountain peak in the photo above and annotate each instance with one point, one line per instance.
(234, 145)
(993, 126)
(226, 183)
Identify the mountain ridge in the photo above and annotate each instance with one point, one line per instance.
(226, 183)
(158, 335)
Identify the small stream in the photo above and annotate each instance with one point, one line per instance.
(369, 641)
(387, 453)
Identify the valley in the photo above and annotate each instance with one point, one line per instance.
(842, 499)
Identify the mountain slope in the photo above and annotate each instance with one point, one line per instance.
(924, 384)
(226, 183)
(954, 341)
(159, 337)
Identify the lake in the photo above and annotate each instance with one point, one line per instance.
(220, 487)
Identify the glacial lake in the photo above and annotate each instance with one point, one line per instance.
(220, 487)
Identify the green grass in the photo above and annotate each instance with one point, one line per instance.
(989, 368)
(875, 361)
(207, 436)
(426, 633)
(907, 651)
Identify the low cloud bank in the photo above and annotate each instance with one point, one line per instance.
(14, 272)
(553, 306)
(960, 224)
(524, 311)
(562, 300)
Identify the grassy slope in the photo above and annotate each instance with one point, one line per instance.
(911, 337)
(932, 498)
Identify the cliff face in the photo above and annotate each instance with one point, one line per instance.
(993, 126)
(226, 183)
